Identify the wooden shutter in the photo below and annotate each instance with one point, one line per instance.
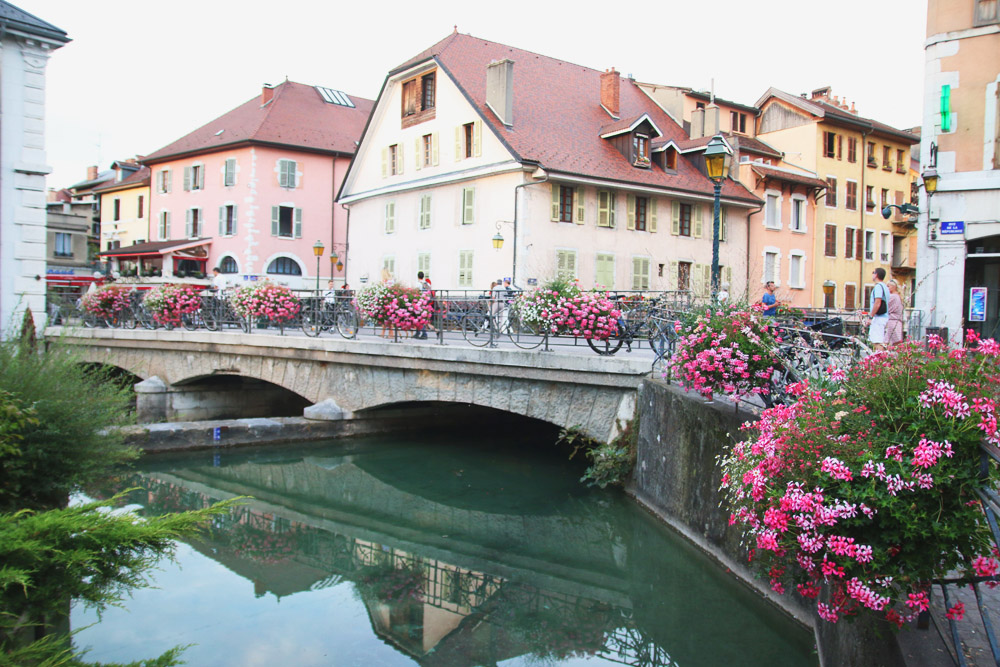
(603, 213)
(201, 178)
(859, 247)
(631, 212)
(399, 158)
(275, 220)
(636, 269)
(188, 222)
(613, 209)
(581, 208)
(390, 217)
(298, 223)
(418, 152)
(459, 137)
(477, 138)
(555, 202)
(699, 220)
(672, 275)
(385, 162)
(425, 212)
(605, 273)
(468, 206)
(222, 221)
(697, 279)
(187, 179)
(435, 143)
(675, 218)
(652, 215)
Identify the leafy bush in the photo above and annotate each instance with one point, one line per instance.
(610, 463)
(867, 483)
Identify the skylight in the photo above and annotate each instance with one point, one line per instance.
(331, 96)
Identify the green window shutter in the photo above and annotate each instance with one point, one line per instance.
(698, 280)
(571, 264)
(465, 268)
(603, 214)
(672, 275)
(187, 178)
(275, 220)
(708, 279)
(459, 132)
(605, 274)
(468, 206)
(675, 218)
(418, 152)
(222, 220)
(425, 212)
(234, 219)
(612, 209)
(385, 162)
(699, 220)
(652, 214)
(729, 276)
(631, 212)
(399, 158)
(581, 208)
(636, 273)
(477, 138)
(189, 223)
(555, 202)
(390, 217)
(946, 108)
(561, 264)
(724, 225)
(298, 223)
(435, 143)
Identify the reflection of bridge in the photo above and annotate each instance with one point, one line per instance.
(565, 389)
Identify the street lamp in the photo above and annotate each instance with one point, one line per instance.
(717, 157)
(497, 239)
(318, 249)
(930, 187)
(828, 287)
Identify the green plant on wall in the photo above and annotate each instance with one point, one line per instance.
(611, 463)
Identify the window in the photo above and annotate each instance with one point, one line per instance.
(798, 215)
(738, 122)
(229, 173)
(163, 181)
(426, 150)
(886, 158)
(390, 217)
(427, 98)
(565, 204)
(684, 220)
(117, 210)
(852, 149)
(831, 192)
(395, 160)
(287, 176)
(566, 265)
(670, 159)
(468, 206)
(605, 272)
(884, 199)
(772, 212)
(468, 140)
(849, 243)
(796, 270)
(900, 161)
(227, 220)
(640, 149)
(389, 264)
(425, 212)
(64, 244)
(640, 273)
(829, 144)
(872, 162)
(424, 263)
(830, 241)
(194, 177)
(606, 208)
(164, 226)
(683, 276)
(885, 247)
(228, 265)
(194, 223)
(986, 12)
(286, 222)
(465, 268)
(851, 198)
(830, 300)
(869, 197)
(284, 266)
(869, 246)
(849, 291)
(419, 96)
(723, 224)
(140, 211)
(770, 266)
(641, 208)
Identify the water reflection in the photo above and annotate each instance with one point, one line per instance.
(457, 557)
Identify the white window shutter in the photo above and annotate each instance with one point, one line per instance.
(555, 202)
(469, 206)
(699, 220)
(222, 220)
(275, 220)
(187, 179)
(189, 214)
(385, 162)
(631, 213)
(459, 136)
(235, 220)
(571, 264)
(418, 152)
(298, 223)
(399, 158)
(672, 275)
(201, 178)
(477, 138)
(581, 205)
(603, 215)
(652, 214)
(675, 218)
(435, 143)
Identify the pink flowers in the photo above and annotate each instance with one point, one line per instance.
(107, 301)
(570, 311)
(168, 302)
(266, 299)
(397, 306)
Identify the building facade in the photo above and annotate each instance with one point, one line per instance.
(577, 170)
(26, 42)
(958, 268)
(124, 206)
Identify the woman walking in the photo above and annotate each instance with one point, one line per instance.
(894, 329)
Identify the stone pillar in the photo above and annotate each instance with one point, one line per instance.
(151, 401)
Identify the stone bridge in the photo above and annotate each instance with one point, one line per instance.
(184, 376)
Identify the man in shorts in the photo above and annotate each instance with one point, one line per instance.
(878, 309)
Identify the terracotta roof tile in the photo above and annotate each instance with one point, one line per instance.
(788, 176)
(296, 117)
(140, 177)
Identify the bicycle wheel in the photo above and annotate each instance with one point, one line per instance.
(211, 319)
(606, 347)
(526, 336)
(126, 319)
(246, 324)
(191, 321)
(312, 322)
(477, 329)
(89, 320)
(347, 323)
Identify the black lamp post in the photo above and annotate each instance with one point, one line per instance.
(717, 158)
(318, 249)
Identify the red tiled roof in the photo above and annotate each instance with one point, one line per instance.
(620, 126)
(746, 143)
(140, 177)
(558, 118)
(788, 176)
(296, 117)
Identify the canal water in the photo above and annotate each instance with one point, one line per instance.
(432, 549)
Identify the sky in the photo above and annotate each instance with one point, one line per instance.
(139, 74)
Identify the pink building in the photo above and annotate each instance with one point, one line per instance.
(253, 190)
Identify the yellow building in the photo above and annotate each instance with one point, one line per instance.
(866, 165)
(124, 203)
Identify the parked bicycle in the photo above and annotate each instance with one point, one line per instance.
(484, 326)
(320, 315)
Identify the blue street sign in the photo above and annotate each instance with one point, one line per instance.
(953, 227)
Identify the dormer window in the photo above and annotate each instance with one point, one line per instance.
(670, 160)
(640, 150)
(419, 99)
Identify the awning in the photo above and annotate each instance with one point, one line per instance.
(159, 248)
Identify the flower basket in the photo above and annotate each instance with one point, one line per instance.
(868, 483)
(266, 300)
(561, 308)
(726, 350)
(167, 303)
(371, 302)
(107, 301)
(405, 308)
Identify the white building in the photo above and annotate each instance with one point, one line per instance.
(26, 42)
(578, 170)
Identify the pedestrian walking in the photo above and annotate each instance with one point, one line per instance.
(769, 300)
(894, 328)
(878, 310)
(425, 290)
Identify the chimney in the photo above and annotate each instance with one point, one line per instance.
(267, 94)
(697, 123)
(611, 91)
(821, 93)
(853, 110)
(500, 89)
(92, 173)
(711, 120)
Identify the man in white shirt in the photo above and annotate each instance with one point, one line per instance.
(878, 309)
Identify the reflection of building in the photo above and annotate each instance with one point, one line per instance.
(26, 42)
(959, 233)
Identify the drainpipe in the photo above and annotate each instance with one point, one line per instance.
(537, 181)
(347, 236)
(749, 215)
